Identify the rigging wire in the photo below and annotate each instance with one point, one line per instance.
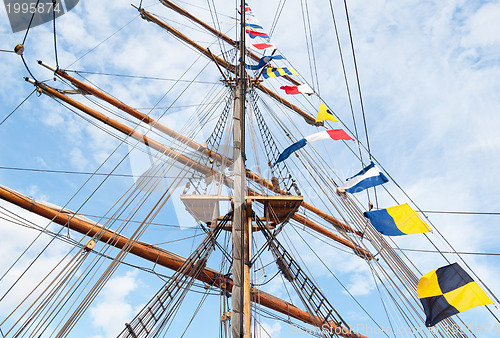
(103, 41)
(31, 21)
(79, 72)
(215, 20)
(55, 35)
(27, 68)
(357, 77)
(204, 9)
(194, 314)
(53, 171)
(277, 16)
(18, 106)
(346, 81)
(451, 252)
(460, 212)
(337, 279)
(383, 304)
(310, 45)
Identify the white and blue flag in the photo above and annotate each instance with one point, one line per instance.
(368, 177)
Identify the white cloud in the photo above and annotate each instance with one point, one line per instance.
(360, 285)
(34, 192)
(268, 330)
(113, 308)
(483, 27)
(77, 159)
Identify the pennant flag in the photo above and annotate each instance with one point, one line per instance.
(249, 16)
(447, 291)
(261, 46)
(324, 114)
(264, 61)
(397, 221)
(276, 72)
(302, 89)
(247, 8)
(334, 134)
(253, 26)
(255, 34)
(369, 177)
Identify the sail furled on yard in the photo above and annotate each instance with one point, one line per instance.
(334, 134)
(397, 221)
(447, 291)
(369, 177)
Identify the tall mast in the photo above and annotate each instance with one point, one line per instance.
(240, 322)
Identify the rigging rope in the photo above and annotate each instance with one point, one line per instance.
(55, 35)
(357, 76)
(337, 279)
(310, 45)
(103, 41)
(18, 106)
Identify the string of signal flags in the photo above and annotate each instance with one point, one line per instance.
(443, 292)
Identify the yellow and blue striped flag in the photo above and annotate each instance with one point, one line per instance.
(277, 72)
(397, 221)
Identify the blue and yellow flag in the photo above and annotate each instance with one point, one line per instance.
(276, 72)
(447, 291)
(397, 221)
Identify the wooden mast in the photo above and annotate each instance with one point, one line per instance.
(240, 318)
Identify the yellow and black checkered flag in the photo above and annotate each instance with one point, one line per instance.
(447, 291)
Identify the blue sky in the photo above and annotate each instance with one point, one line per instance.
(429, 75)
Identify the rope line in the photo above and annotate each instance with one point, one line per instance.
(18, 106)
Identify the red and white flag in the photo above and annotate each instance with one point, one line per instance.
(302, 89)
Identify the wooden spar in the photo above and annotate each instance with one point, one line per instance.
(149, 17)
(46, 89)
(217, 33)
(189, 142)
(191, 17)
(157, 255)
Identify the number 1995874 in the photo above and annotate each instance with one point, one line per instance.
(25, 8)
